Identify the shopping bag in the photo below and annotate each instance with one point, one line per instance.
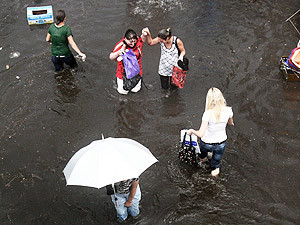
(131, 64)
(187, 152)
(129, 84)
(178, 77)
(187, 141)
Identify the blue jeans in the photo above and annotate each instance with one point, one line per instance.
(59, 61)
(216, 149)
(122, 210)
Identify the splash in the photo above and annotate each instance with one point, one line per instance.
(149, 7)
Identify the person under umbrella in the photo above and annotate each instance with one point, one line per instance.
(126, 198)
(115, 163)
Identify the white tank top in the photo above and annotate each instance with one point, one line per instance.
(168, 58)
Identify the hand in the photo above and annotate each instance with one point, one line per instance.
(189, 132)
(181, 58)
(83, 57)
(128, 203)
(145, 31)
(122, 50)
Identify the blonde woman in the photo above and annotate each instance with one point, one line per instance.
(213, 128)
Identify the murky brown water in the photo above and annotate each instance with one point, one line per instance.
(45, 119)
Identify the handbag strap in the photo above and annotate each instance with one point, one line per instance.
(177, 46)
(191, 144)
(183, 141)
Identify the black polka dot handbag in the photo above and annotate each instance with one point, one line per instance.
(187, 152)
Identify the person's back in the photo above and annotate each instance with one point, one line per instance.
(59, 36)
(216, 130)
(213, 128)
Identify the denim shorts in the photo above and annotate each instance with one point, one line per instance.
(216, 149)
(122, 210)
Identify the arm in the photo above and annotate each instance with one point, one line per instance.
(115, 54)
(230, 121)
(74, 46)
(181, 49)
(134, 185)
(150, 41)
(48, 38)
(199, 132)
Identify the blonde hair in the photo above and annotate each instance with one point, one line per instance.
(215, 101)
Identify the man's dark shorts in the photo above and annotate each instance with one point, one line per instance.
(59, 61)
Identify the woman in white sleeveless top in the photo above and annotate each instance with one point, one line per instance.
(170, 54)
(213, 128)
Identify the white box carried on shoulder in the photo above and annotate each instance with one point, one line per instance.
(187, 140)
(39, 15)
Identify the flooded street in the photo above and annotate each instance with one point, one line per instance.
(46, 117)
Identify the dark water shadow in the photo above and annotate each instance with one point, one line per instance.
(130, 118)
(67, 85)
(172, 100)
(291, 93)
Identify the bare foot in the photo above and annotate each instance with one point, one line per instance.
(215, 172)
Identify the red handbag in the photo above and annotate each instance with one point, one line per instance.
(178, 77)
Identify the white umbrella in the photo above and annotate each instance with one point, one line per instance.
(108, 161)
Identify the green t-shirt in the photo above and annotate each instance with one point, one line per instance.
(59, 38)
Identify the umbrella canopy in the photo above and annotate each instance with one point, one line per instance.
(108, 161)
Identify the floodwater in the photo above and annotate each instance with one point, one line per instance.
(46, 118)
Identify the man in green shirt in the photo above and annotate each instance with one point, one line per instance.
(60, 36)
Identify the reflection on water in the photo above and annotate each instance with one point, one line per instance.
(130, 119)
(172, 104)
(67, 85)
(291, 94)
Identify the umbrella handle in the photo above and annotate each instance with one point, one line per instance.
(116, 199)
